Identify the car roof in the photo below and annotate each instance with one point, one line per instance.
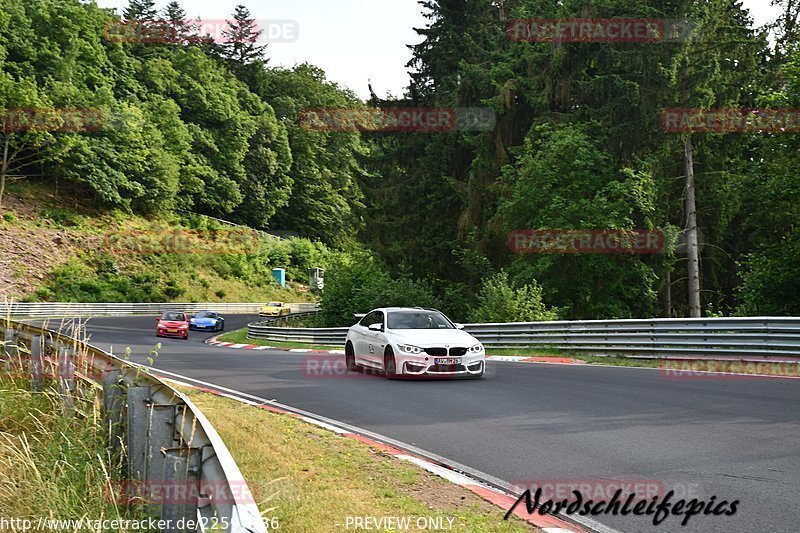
(405, 309)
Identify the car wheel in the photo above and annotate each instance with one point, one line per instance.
(222, 326)
(389, 363)
(350, 358)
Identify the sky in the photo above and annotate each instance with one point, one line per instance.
(353, 41)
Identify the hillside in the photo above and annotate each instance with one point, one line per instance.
(56, 248)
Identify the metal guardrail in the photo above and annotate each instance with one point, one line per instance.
(756, 337)
(266, 321)
(266, 234)
(172, 449)
(77, 309)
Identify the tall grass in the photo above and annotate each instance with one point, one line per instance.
(53, 464)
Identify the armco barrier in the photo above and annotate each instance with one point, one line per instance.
(752, 337)
(70, 309)
(169, 443)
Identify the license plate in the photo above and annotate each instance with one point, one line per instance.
(172, 331)
(446, 361)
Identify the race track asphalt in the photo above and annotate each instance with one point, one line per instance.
(736, 439)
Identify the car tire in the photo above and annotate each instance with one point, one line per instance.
(389, 363)
(350, 358)
(222, 327)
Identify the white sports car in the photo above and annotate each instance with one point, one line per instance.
(412, 341)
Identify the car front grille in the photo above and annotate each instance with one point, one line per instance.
(457, 351)
(447, 368)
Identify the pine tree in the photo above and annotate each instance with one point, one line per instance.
(141, 10)
(242, 38)
(178, 29)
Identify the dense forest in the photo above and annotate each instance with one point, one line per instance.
(421, 217)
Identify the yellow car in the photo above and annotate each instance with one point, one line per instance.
(275, 309)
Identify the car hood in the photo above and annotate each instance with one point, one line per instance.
(170, 323)
(204, 321)
(432, 337)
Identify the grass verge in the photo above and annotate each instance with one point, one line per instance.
(310, 479)
(239, 336)
(55, 466)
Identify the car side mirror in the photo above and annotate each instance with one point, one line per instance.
(459, 326)
(376, 327)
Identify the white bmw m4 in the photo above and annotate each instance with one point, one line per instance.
(412, 341)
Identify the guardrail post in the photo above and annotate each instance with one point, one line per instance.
(66, 378)
(37, 363)
(138, 413)
(160, 436)
(181, 473)
(113, 403)
(10, 350)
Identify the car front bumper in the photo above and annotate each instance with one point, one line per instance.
(425, 365)
(196, 327)
(180, 333)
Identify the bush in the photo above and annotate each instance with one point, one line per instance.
(172, 290)
(498, 301)
(358, 283)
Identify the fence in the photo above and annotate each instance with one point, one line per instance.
(77, 309)
(753, 337)
(169, 443)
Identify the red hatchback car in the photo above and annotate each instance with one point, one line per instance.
(173, 324)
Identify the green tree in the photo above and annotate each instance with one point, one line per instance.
(242, 36)
(499, 301)
(141, 10)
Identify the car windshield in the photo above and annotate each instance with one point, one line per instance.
(418, 320)
(274, 304)
(173, 315)
(204, 314)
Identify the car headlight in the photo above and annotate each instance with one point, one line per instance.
(183, 326)
(476, 349)
(407, 348)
